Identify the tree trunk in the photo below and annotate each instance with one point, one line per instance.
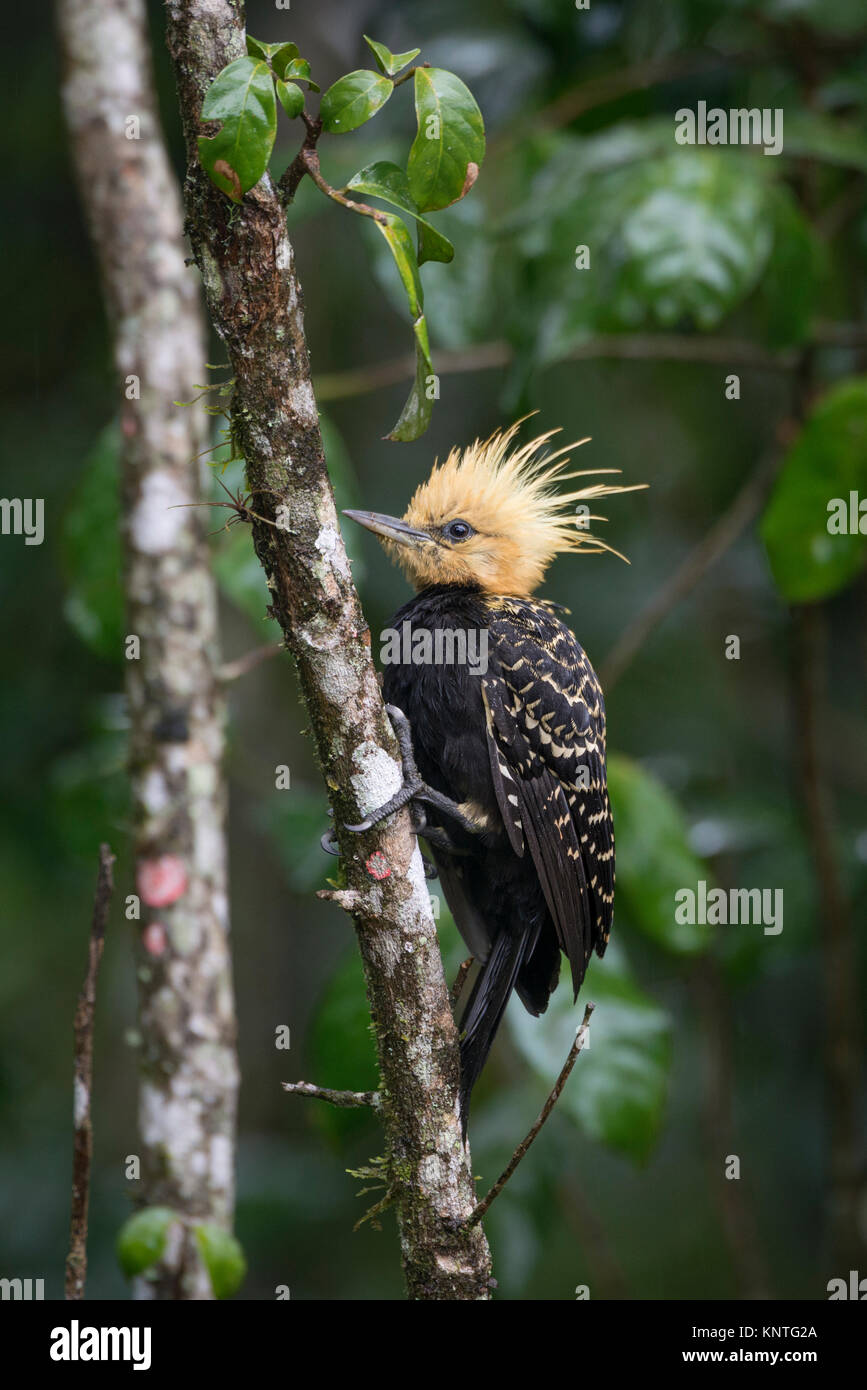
(254, 297)
(189, 1073)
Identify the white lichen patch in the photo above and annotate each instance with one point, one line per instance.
(153, 792)
(80, 1102)
(304, 403)
(158, 517)
(378, 776)
(329, 543)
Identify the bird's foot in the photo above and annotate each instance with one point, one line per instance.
(415, 790)
(330, 845)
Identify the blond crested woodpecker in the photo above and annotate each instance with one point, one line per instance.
(504, 767)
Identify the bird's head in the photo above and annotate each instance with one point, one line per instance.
(493, 518)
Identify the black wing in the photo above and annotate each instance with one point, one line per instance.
(546, 738)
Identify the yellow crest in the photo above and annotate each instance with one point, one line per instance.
(518, 518)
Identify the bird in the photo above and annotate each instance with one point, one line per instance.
(503, 751)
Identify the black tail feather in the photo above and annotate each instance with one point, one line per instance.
(486, 1007)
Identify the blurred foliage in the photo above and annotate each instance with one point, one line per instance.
(621, 1190)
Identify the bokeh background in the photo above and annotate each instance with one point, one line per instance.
(707, 1042)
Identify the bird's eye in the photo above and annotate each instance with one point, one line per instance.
(458, 531)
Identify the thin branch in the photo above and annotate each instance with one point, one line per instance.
(720, 538)
(410, 73)
(233, 670)
(310, 159)
(82, 1152)
(579, 1043)
(291, 177)
(649, 347)
(344, 1100)
(618, 347)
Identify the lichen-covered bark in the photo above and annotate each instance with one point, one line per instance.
(252, 290)
(189, 1072)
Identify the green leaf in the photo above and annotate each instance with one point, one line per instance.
(674, 238)
(388, 62)
(277, 54)
(223, 1258)
(654, 859)
(291, 98)
(353, 99)
(299, 70)
(389, 182)
(827, 464)
(696, 239)
(91, 552)
(617, 1091)
(449, 147)
(415, 416)
(242, 97)
(142, 1239)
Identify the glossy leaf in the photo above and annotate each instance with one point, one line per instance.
(142, 1239)
(449, 146)
(696, 239)
(223, 1258)
(827, 464)
(415, 416)
(242, 97)
(654, 859)
(353, 100)
(670, 239)
(298, 70)
(617, 1090)
(291, 98)
(277, 54)
(388, 62)
(389, 182)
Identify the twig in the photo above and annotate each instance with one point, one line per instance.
(721, 536)
(287, 185)
(232, 670)
(617, 347)
(396, 81)
(82, 1151)
(580, 1041)
(649, 347)
(344, 1100)
(310, 159)
(461, 976)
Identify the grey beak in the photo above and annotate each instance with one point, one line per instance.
(390, 527)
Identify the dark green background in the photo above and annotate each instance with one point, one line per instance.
(721, 736)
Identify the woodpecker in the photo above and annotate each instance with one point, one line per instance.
(504, 759)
